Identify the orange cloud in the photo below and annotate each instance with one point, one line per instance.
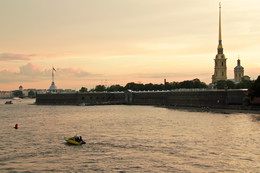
(11, 56)
(32, 72)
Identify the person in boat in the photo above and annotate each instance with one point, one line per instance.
(77, 138)
(81, 140)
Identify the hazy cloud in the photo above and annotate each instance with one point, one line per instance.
(30, 69)
(32, 72)
(11, 56)
(5, 76)
(72, 72)
(169, 75)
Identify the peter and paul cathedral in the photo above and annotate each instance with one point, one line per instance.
(220, 70)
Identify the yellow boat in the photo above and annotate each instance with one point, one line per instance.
(75, 140)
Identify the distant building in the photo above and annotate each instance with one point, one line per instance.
(20, 88)
(220, 70)
(238, 72)
(53, 88)
(41, 91)
(5, 94)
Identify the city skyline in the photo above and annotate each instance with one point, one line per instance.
(116, 42)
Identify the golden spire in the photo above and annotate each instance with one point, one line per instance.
(220, 47)
(220, 39)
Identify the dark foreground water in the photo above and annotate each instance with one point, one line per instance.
(126, 139)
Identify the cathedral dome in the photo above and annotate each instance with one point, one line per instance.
(238, 67)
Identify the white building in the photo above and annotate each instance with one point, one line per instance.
(5, 94)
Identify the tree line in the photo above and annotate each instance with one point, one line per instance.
(252, 86)
(187, 84)
(195, 83)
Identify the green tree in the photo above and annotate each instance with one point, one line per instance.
(158, 87)
(31, 94)
(230, 84)
(244, 84)
(254, 90)
(148, 87)
(167, 86)
(195, 83)
(92, 90)
(174, 85)
(100, 88)
(132, 86)
(115, 88)
(198, 84)
(18, 93)
(83, 90)
(223, 84)
(186, 84)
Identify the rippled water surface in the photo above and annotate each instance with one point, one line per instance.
(126, 138)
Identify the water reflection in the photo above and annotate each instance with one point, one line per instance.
(126, 138)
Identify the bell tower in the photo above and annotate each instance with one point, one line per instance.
(220, 70)
(238, 72)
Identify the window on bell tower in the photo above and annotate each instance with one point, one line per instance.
(222, 73)
(222, 64)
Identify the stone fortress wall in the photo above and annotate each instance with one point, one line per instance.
(189, 98)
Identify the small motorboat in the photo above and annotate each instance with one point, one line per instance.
(75, 140)
(8, 102)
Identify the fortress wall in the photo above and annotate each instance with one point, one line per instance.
(101, 98)
(200, 98)
(78, 98)
(197, 98)
(56, 99)
(181, 98)
(236, 97)
(149, 98)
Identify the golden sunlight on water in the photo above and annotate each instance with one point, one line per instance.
(126, 139)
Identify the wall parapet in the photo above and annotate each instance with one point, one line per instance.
(193, 98)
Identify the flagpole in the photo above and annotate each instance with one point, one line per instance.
(52, 74)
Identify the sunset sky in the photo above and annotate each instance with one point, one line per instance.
(93, 42)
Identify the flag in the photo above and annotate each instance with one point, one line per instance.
(53, 69)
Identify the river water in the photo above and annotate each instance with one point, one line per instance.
(123, 138)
